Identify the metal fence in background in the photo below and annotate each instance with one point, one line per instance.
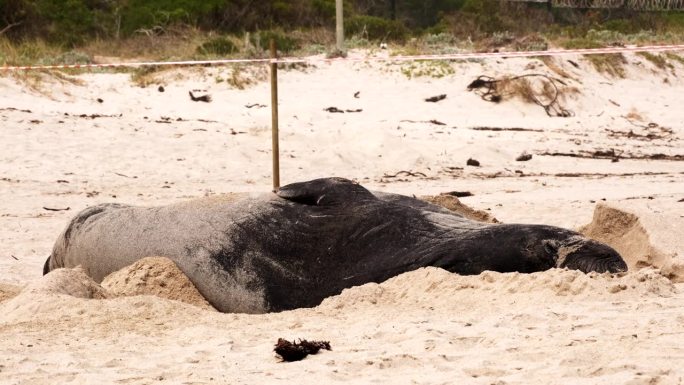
(646, 5)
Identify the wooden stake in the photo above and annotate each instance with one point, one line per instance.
(339, 17)
(274, 118)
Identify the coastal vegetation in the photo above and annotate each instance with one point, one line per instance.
(75, 31)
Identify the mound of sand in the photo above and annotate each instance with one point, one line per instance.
(42, 295)
(629, 232)
(452, 203)
(156, 276)
(57, 293)
(71, 282)
(429, 287)
(8, 291)
(439, 288)
(69, 292)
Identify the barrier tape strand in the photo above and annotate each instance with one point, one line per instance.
(295, 60)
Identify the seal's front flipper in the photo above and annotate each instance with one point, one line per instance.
(325, 192)
(46, 266)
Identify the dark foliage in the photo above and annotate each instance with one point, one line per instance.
(376, 28)
(71, 22)
(217, 46)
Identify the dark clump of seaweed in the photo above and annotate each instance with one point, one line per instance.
(297, 351)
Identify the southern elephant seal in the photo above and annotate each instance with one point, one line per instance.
(309, 241)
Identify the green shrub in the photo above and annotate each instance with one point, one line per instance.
(376, 28)
(581, 43)
(487, 16)
(284, 43)
(70, 22)
(217, 46)
(147, 14)
(324, 8)
(69, 58)
(433, 69)
(440, 39)
(605, 36)
(533, 42)
(620, 25)
(502, 38)
(601, 38)
(674, 21)
(26, 52)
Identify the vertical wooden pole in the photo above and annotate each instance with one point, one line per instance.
(339, 18)
(274, 118)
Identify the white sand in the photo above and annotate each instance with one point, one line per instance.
(422, 327)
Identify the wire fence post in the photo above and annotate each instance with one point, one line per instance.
(274, 117)
(339, 19)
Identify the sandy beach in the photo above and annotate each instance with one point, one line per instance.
(613, 170)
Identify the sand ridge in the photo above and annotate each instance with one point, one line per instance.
(631, 232)
(154, 276)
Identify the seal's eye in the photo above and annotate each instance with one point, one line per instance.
(551, 246)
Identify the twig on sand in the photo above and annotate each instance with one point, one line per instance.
(435, 99)
(433, 121)
(339, 111)
(459, 194)
(201, 98)
(406, 173)
(506, 129)
(126, 176)
(53, 209)
(15, 109)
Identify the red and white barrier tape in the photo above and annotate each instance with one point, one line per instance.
(455, 56)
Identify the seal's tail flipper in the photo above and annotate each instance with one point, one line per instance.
(46, 266)
(325, 192)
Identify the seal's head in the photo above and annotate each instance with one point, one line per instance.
(584, 254)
